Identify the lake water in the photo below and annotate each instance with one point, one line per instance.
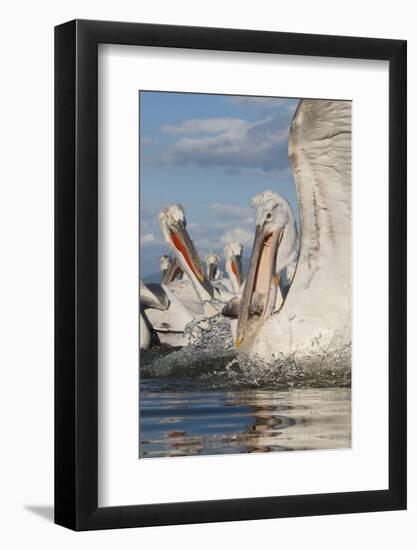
(183, 422)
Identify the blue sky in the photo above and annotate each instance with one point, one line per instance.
(211, 154)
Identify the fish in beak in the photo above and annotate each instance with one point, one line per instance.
(260, 291)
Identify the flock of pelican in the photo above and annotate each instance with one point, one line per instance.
(296, 298)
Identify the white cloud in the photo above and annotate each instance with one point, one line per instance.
(206, 244)
(264, 103)
(228, 223)
(147, 239)
(231, 211)
(232, 143)
(206, 126)
(245, 236)
(148, 141)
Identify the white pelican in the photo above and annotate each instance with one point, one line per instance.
(164, 263)
(234, 282)
(210, 299)
(152, 300)
(233, 265)
(315, 318)
(264, 281)
(153, 296)
(161, 310)
(170, 269)
(144, 333)
(212, 263)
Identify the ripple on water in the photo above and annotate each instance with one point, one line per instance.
(202, 399)
(242, 421)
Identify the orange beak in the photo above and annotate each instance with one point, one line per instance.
(182, 248)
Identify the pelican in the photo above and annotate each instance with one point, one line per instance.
(164, 264)
(144, 333)
(263, 284)
(170, 269)
(314, 321)
(153, 296)
(210, 300)
(233, 265)
(161, 310)
(234, 282)
(151, 300)
(212, 263)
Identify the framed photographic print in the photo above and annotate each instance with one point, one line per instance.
(230, 275)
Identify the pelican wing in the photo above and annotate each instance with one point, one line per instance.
(320, 155)
(153, 296)
(315, 318)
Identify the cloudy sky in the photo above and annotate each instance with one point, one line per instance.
(211, 154)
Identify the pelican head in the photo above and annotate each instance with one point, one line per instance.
(173, 226)
(164, 263)
(275, 245)
(170, 268)
(212, 262)
(233, 263)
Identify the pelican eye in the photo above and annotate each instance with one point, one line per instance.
(268, 216)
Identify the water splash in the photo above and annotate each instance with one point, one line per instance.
(210, 360)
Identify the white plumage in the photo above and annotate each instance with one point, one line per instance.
(315, 318)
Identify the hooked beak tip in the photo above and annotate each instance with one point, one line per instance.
(277, 280)
(238, 341)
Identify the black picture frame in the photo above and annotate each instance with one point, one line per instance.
(76, 271)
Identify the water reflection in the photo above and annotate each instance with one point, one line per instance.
(246, 421)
